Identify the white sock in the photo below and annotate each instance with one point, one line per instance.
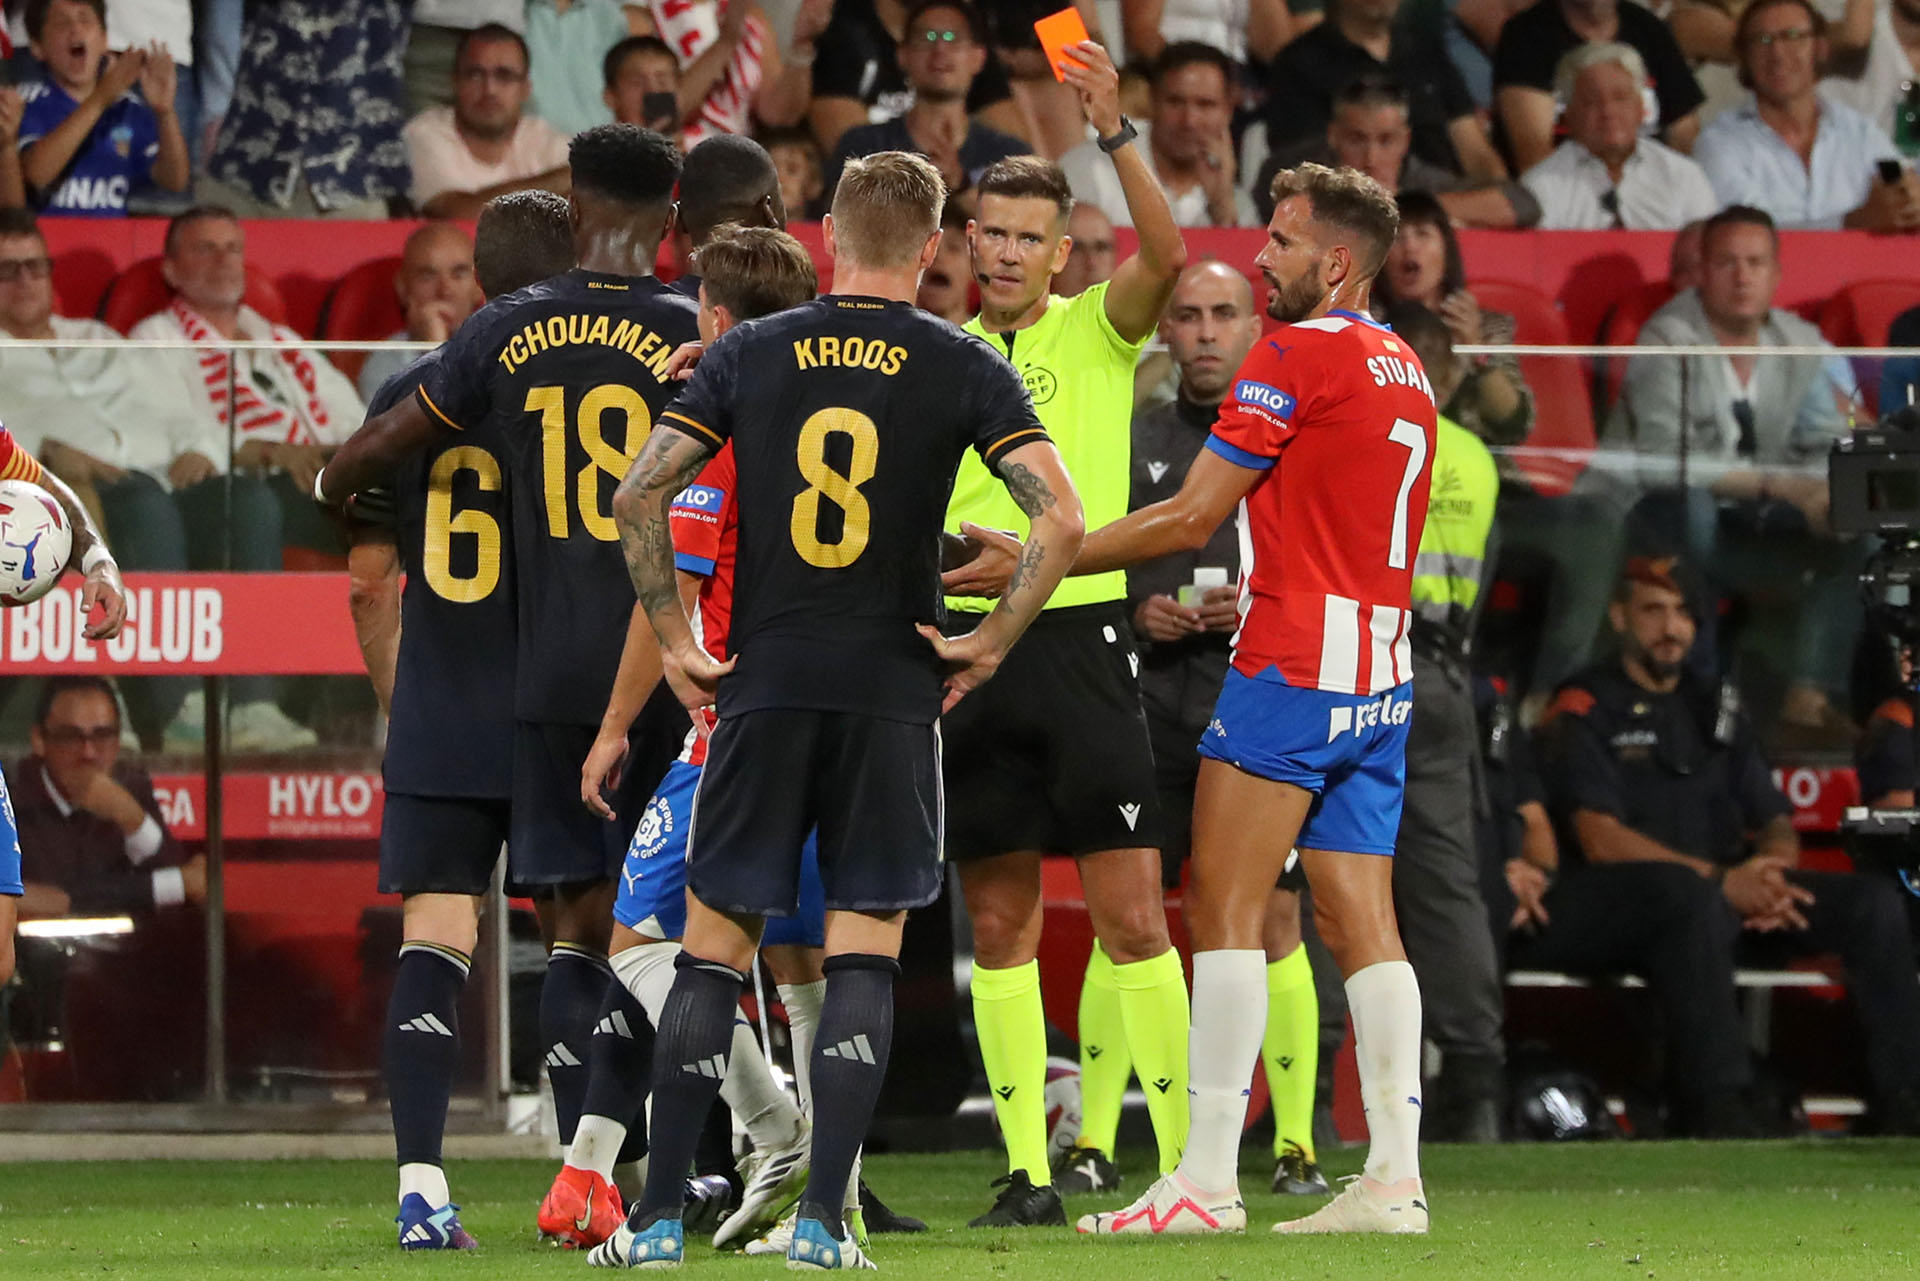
(1229, 1020)
(758, 1102)
(803, 1002)
(647, 972)
(1385, 1001)
(852, 1200)
(632, 1176)
(765, 1110)
(596, 1144)
(430, 1181)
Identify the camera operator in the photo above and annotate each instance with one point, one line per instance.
(1648, 765)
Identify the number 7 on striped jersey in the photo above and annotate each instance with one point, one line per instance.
(1410, 435)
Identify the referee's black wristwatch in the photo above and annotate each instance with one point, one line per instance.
(1126, 134)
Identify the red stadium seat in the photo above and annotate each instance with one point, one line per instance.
(362, 307)
(1563, 407)
(1622, 327)
(1861, 313)
(141, 290)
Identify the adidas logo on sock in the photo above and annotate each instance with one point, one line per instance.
(615, 1024)
(858, 1048)
(715, 1067)
(426, 1023)
(561, 1056)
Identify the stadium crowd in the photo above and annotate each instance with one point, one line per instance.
(1586, 792)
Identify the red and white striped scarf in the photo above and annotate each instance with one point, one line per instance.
(689, 28)
(254, 416)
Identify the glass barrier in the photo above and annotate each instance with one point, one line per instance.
(241, 704)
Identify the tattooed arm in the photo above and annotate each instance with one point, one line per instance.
(666, 466)
(1038, 481)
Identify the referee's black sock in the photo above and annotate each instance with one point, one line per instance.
(849, 1064)
(689, 1062)
(570, 998)
(420, 1052)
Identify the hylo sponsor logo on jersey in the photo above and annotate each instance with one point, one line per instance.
(1270, 401)
(700, 500)
(1385, 710)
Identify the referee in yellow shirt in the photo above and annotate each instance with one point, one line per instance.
(1052, 756)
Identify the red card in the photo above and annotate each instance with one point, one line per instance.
(1058, 31)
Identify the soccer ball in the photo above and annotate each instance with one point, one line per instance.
(1062, 1097)
(36, 541)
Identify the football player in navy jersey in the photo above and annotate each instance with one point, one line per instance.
(430, 650)
(572, 373)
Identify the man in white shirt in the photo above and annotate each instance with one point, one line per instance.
(486, 144)
(1807, 160)
(1188, 145)
(123, 428)
(437, 292)
(1607, 174)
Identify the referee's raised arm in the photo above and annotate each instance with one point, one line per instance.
(1143, 283)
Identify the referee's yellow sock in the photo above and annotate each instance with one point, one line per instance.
(1012, 1027)
(1291, 1051)
(1105, 1065)
(1153, 1001)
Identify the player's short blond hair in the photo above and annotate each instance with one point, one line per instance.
(755, 271)
(1348, 200)
(886, 207)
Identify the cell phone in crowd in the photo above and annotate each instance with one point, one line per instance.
(660, 108)
(1205, 579)
(1890, 171)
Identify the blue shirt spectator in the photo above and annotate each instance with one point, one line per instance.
(87, 141)
(1805, 159)
(567, 40)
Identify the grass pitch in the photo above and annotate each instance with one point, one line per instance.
(1623, 1211)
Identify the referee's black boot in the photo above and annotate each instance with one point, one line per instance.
(1021, 1205)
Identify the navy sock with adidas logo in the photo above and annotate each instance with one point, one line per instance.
(420, 1051)
(620, 1063)
(576, 983)
(689, 1062)
(849, 1064)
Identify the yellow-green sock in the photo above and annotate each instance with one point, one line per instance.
(1153, 1001)
(1105, 1065)
(1012, 1026)
(1291, 1051)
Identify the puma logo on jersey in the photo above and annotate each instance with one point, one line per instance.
(1155, 471)
(1131, 813)
(1386, 710)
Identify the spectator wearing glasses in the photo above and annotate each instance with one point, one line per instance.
(486, 144)
(858, 79)
(87, 140)
(943, 50)
(93, 841)
(1606, 175)
(1805, 159)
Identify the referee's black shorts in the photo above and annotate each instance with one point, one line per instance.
(1052, 754)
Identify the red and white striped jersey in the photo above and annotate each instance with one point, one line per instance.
(690, 27)
(705, 523)
(1340, 415)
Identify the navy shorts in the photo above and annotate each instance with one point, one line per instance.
(653, 882)
(557, 840)
(1349, 750)
(440, 844)
(870, 786)
(9, 845)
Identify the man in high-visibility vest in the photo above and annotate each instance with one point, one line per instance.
(1436, 871)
